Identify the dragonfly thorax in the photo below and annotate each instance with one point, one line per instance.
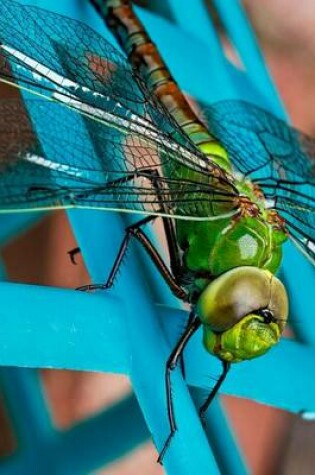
(213, 247)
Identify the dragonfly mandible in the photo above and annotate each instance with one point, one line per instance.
(229, 194)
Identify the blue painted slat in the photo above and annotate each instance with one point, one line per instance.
(299, 277)
(23, 392)
(262, 379)
(195, 21)
(114, 433)
(193, 70)
(243, 38)
(48, 327)
(60, 455)
(221, 437)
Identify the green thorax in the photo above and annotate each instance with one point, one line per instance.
(213, 247)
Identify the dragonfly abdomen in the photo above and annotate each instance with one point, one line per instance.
(146, 60)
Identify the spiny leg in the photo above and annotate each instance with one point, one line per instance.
(125, 179)
(193, 324)
(203, 409)
(190, 319)
(154, 177)
(170, 235)
(119, 258)
(168, 225)
(135, 231)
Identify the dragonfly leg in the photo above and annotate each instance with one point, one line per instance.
(169, 230)
(203, 409)
(193, 325)
(168, 225)
(155, 178)
(119, 181)
(181, 359)
(119, 258)
(135, 231)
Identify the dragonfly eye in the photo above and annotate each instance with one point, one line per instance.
(244, 312)
(240, 292)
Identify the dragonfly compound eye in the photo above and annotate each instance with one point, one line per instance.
(233, 311)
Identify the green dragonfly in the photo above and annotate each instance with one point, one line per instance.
(229, 193)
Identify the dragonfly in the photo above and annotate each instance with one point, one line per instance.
(230, 188)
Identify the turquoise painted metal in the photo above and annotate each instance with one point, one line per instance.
(56, 328)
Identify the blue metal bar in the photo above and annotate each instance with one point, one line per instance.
(300, 284)
(71, 452)
(215, 78)
(59, 329)
(197, 70)
(262, 379)
(243, 38)
(221, 436)
(140, 336)
(195, 22)
(114, 433)
(23, 393)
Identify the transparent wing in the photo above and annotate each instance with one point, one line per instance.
(260, 142)
(300, 222)
(279, 158)
(59, 57)
(81, 161)
(133, 135)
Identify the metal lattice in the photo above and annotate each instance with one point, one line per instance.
(113, 334)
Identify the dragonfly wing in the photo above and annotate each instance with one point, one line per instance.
(279, 158)
(66, 61)
(306, 246)
(297, 207)
(260, 143)
(83, 161)
(54, 55)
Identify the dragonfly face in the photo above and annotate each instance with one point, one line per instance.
(243, 312)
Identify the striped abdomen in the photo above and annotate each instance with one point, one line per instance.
(144, 57)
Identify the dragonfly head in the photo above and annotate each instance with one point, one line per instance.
(243, 312)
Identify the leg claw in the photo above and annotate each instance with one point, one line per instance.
(90, 287)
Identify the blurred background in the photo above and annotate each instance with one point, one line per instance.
(272, 441)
